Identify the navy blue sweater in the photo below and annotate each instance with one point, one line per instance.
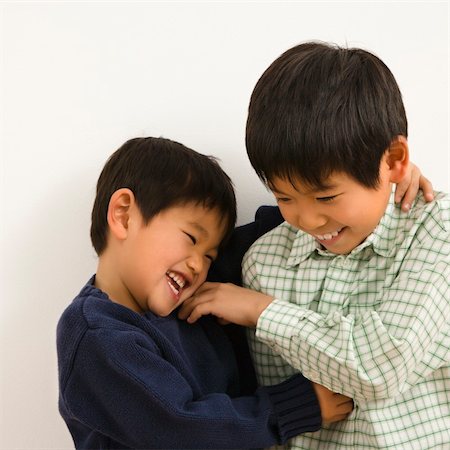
(227, 269)
(141, 381)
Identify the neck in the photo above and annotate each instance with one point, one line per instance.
(108, 280)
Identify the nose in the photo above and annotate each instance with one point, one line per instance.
(196, 263)
(308, 219)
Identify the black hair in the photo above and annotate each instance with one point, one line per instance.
(319, 109)
(161, 173)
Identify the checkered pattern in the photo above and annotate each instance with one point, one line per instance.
(373, 325)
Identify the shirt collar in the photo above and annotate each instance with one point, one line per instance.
(303, 247)
(381, 238)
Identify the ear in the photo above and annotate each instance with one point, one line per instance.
(398, 159)
(119, 208)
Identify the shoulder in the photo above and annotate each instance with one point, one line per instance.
(227, 267)
(432, 220)
(94, 324)
(277, 243)
(94, 311)
(99, 334)
(266, 218)
(438, 211)
(424, 236)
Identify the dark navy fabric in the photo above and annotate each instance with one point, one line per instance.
(141, 381)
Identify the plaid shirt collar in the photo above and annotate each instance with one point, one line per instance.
(378, 241)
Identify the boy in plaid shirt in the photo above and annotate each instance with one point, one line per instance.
(349, 290)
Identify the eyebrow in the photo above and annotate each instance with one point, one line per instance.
(325, 187)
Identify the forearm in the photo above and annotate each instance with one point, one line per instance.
(141, 401)
(364, 358)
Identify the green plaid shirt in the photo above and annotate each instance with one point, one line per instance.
(373, 325)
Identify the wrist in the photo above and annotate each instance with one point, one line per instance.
(263, 302)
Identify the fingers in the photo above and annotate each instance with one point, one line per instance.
(346, 407)
(198, 311)
(427, 188)
(417, 182)
(205, 287)
(188, 306)
(194, 308)
(200, 304)
(341, 399)
(333, 406)
(226, 301)
(400, 190)
(198, 297)
(406, 192)
(336, 418)
(223, 321)
(343, 404)
(341, 410)
(410, 193)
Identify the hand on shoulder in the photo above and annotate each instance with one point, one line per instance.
(228, 302)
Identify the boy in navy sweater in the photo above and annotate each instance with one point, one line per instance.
(131, 374)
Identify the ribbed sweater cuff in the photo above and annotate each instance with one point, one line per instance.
(296, 407)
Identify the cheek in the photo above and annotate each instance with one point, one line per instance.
(202, 277)
(289, 214)
(353, 215)
(363, 215)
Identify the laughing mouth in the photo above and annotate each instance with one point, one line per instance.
(176, 282)
(328, 236)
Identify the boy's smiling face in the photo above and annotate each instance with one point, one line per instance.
(162, 263)
(339, 217)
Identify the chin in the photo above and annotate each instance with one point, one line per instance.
(343, 250)
(160, 311)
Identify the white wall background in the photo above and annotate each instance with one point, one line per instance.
(78, 79)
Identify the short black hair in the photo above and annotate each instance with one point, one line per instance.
(319, 109)
(161, 174)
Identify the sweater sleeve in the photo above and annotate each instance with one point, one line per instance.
(125, 389)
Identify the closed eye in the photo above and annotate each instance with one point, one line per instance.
(282, 199)
(192, 238)
(326, 199)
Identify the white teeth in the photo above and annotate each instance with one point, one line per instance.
(328, 236)
(177, 278)
(173, 289)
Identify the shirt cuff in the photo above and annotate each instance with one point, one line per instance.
(278, 320)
